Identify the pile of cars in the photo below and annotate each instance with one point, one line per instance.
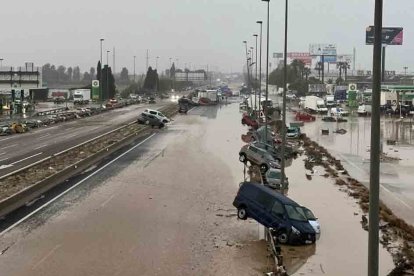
(153, 118)
(263, 199)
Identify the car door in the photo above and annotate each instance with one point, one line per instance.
(260, 208)
(255, 154)
(277, 215)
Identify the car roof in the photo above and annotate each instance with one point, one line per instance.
(283, 199)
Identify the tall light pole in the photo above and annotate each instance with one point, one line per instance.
(284, 96)
(100, 73)
(267, 70)
(373, 229)
(107, 72)
(260, 64)
(1, 62)
(405, 69)
(247, 65)
(255, 90)
(156, 63)
(134, 67)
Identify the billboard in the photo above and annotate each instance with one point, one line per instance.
(304, 57)
(328, 51)
(390, 35)
(344, 58)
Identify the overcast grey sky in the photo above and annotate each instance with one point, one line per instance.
(199, 32)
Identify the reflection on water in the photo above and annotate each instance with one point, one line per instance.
(294, 257)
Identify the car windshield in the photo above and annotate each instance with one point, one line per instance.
(274, 174)
(295, 213)
(308, 214)
(291, 130)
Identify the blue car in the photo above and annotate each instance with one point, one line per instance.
(276, 211)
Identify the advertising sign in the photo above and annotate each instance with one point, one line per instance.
(328, 51)
(95, 90)
(344, 58)
(390, 35)
(304, 57)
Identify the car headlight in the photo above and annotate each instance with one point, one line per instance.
(295, 231)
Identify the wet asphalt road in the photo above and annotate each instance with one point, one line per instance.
(162, 208)
(20, 150)
(165, 208)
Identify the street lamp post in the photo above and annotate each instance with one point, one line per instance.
(1, 63)
(405, 69)
(255, 90)
(107, 72)
(284, 97)
(247, 66)
(267, 70)
(156, 63)
(260, 64)
(373, 229)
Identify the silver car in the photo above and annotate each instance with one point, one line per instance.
(273, 179)
(259, 157)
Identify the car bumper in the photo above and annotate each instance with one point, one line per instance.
(303, 238)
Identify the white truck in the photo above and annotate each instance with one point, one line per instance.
(364, 110)
(330, 101)
(81, 96)
(315, 104)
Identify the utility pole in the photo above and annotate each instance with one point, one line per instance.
(284, 98)
(267, 70)
(383, 64)
(354, 61)
(255, 90)
(260, 64)
(107, 72)
(373, 227)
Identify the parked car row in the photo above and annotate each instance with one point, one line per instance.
(24, 125)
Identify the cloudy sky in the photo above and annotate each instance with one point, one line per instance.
(196, 32)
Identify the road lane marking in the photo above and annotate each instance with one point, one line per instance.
(39, 147)
(4, 159)
(8, 146)
(5, 139)
(2, 153)
(107, 201)
(46, 256)
(73, 187)
(44, 136)
(382, 186)
(31, 156)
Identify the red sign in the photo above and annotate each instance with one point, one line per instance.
(304, 57)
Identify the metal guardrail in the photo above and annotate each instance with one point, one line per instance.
(20, 198)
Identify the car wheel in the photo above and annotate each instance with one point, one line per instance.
(283, 237)
(242, 158)
(161, 125)
(241, 213)
(264, 168)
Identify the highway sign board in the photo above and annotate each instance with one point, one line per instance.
(390, 35)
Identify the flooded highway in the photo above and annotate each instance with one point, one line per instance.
(165, 207)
